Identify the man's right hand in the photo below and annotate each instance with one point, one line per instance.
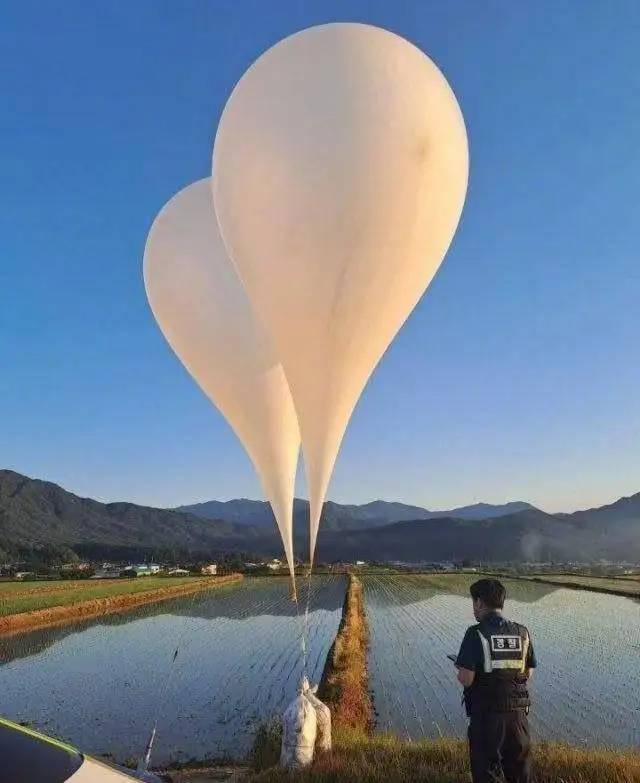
(465, 676)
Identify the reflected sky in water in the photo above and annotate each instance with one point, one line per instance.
(98, 683)
(585, 690)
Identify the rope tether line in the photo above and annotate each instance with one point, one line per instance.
(143, 762)
(306, 611)
(303, 638)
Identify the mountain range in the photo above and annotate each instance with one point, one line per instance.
(337, 516)
(35, 513)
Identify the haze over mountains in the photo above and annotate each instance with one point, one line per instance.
(34, 513)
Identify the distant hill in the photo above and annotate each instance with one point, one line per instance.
(529, 535)
(486, 510)
(36, 513)
(337, 516)
(241, 511)
(612, 533)
(623, 511)
(613, 529)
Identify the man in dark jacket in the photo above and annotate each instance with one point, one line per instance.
(494, 665)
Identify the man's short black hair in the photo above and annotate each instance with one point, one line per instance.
(490, 591)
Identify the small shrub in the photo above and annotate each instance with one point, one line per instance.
(265, 752)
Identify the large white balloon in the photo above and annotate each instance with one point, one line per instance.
(204, 313)
(341, 169)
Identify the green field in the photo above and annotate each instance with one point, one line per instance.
(623, 585)
(16, 597)
(459, 582)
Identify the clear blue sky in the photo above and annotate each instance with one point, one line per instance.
(518, 375)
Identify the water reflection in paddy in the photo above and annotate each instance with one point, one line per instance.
(585, 690)
(97, 683)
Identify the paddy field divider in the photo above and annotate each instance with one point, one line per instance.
(360, 756)
(344, 686)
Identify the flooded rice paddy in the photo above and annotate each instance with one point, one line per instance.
(585, 690)
(99, 684)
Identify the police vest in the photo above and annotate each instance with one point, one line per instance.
(501, 684)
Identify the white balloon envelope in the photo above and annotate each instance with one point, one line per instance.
(203, 311)
(341, 167)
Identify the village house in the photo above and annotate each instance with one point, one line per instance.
(107, 573)
(75, 566)
(144, 569)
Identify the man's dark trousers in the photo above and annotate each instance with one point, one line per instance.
(500, 742)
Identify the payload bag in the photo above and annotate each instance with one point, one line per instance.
(299, 727)
(323, 716)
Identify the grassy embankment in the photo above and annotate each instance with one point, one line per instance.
(25, 605)
(359, 756)
(344, 686)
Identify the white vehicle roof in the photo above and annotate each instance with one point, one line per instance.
(30, 757)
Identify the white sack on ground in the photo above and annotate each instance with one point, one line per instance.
(323, 716)
(341, 169)
(299, 728)
(205, 315)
